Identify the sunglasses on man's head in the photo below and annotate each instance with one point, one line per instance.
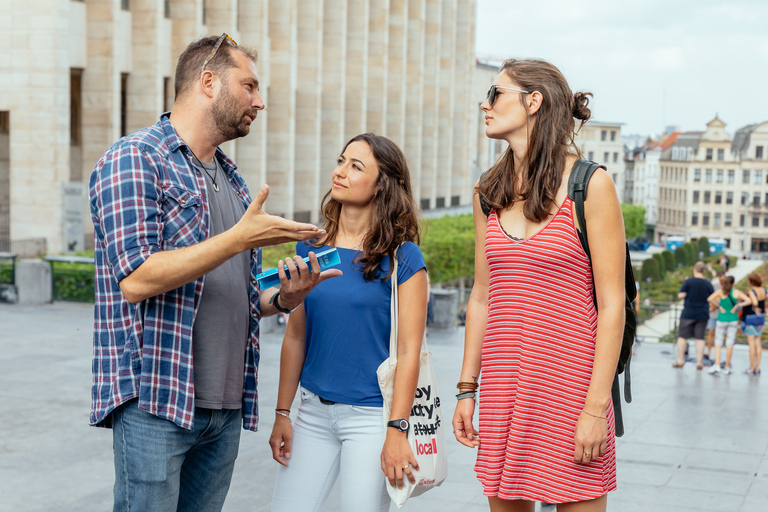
(216, 49)
(493, 92)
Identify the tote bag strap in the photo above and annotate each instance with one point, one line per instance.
(393, 309)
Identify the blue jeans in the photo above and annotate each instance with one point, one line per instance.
(331, 441)
(162, 467)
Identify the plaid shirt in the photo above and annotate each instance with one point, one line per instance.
(146, 197)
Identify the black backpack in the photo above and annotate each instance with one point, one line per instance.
(577, 190)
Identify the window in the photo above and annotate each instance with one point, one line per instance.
(707, 197)
(708, 176)
(694, 218)
(709, 154)
(721, 154)
(591, 156)
(125, 5)
(757, 176)
(75, 106)
(719, 176)
(756, 199)
(728, 220)
(755, 221)
(729, 198)
(705, 219)
(167, 94)
(615, 156)
(765, 221)
(766, 199)
(697, 175)
(718, 197)
(744, 198)
(731, 176)
(603, 135)
(205, 13)
(606, 156)
(695, 197)
(167, 12)
(741, 220)
(124, 104)
(716, 220)
(613, 135)
(758, 152)
(745, 176)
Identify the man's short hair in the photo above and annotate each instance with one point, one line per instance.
(192, 58)
(699, 267)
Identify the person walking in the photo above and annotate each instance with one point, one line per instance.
(728, 301)
(177, 249)
(695, 315)
(336, 340)
(753, 320)
(546, 356)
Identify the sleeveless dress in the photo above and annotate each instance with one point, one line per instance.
(537, 362)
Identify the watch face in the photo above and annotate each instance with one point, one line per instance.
(403, 425)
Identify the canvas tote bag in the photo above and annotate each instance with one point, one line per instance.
(426, 435)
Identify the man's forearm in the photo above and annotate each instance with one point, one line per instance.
(167, 270)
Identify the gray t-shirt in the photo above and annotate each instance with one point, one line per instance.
(221, 329)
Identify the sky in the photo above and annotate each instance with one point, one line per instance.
(650, 63)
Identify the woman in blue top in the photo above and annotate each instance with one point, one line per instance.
(337, 339)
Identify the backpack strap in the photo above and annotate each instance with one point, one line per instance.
(578, 182)
(483, 205)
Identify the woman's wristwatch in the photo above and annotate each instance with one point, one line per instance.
(401, 424)
(278, 307)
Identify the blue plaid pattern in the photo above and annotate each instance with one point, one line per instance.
(146, 197)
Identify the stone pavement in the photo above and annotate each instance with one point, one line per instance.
(693, 441)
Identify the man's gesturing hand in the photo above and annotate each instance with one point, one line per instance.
(258, 229)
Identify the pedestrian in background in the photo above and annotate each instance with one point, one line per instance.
(753, 320)
(547, 357)
(695, 315)
(728, 301)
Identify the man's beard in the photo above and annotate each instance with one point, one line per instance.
(228, 117)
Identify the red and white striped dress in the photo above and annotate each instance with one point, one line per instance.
(537, 361)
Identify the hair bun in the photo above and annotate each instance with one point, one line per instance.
(580, 106)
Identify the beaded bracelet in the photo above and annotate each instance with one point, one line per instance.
(593, 415)
(469, 394)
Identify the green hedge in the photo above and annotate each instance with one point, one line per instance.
(703, 246)
(650, 270)
(5, 273)
(669, 260)
(681, 256)
(73, 282)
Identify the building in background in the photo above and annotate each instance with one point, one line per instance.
(715, 187)
(601, 143)
(79, 75)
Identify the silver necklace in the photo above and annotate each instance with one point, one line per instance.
(215, 172)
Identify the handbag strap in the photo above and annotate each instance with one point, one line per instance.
(393, 310)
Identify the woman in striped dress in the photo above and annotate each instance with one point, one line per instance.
(547, 359)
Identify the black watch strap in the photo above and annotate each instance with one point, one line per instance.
(400, 424)
(277, 305)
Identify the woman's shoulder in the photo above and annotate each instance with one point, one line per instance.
(409, 250)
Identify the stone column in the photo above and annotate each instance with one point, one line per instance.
(356, 100)
(252, 149)
(445, 141)
(145, 94)
(187, 26)
(334, 88)
(309, 88)
(414, 87)
(378, 49)
(397, 77)
(431, 102)
(464, 111)
(281, 116)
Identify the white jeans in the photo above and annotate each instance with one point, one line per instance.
(331, 441)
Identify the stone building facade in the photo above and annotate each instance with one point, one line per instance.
(601, 142)
(714, 186)
(78, 75)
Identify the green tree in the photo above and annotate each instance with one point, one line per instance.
(691, 252)
(650, 270)
(634, 220)
(703, 246)
(660, 262)
(669, 260)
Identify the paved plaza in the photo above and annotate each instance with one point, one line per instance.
(693, 441)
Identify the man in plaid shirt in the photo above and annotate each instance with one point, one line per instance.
(176, 330)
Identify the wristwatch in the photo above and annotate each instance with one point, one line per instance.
(278, 307)
(401, 424)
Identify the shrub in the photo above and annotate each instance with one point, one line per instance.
(703, 246)
(681, 256)
(660, 262)
(669, 260)
(650, 270)
(448, 245)
(693, 256)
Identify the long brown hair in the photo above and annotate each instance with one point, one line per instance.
(726, 285)
(394, 218)
(549, 143)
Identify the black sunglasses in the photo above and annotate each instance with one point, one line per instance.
(492, 92)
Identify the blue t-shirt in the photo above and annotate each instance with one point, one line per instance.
(348, 325)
